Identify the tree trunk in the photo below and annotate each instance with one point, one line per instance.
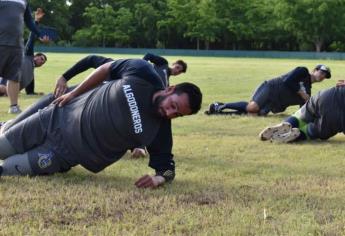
(318, 45)
(197, 44)
(207, 45)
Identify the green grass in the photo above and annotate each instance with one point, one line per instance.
(226, 178)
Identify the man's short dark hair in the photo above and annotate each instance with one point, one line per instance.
(183, 64)
(194, 95)
(41, 54)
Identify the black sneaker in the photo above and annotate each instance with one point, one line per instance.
(213, 108)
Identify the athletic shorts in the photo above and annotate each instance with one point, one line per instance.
(261, 95)
(31, 135)
(11, 60)
(40, 104)
(323, 119)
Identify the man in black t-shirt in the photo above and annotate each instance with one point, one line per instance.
(162, 67)
(94, 61)
(275, 95)
(95, 125)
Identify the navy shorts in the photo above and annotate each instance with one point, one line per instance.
(261, 96)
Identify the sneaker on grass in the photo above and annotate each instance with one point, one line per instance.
(214, 108)
(14, 110)
(286, 137)
(268, 132)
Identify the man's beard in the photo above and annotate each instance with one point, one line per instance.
(156, 103)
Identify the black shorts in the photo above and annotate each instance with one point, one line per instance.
(11, 60)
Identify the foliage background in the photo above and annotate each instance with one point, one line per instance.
(290, 25)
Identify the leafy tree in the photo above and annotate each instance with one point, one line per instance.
(146, 17)
(123, 27)
(312, 21)
(204, 23)
(172, 26)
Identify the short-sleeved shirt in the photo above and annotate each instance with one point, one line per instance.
(102, 124)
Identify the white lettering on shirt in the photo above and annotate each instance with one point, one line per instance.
(133, 107)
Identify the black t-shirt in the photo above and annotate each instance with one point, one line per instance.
(101, 125)
(283, 90)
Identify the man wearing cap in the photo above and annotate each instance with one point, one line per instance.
(322, 117)
(275, 95)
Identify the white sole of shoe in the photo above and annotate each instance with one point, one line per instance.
(268, 132)
(286, 137)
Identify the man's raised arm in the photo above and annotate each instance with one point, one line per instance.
(155, 59)
(92, 81)
(91, 61)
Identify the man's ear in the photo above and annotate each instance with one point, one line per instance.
(170, 90)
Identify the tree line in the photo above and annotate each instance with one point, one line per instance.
(293, 25)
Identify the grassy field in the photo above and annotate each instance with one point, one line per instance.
(228, 182)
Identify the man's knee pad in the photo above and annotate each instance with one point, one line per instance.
(18, 164)
(44, 161)
(38, 161)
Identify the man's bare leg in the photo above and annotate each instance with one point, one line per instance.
(13, 92)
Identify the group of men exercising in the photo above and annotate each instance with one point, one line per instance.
(124, 104)
(128, 104)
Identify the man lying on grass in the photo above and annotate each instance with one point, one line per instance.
(160, 65)
(322, 117)
(93, 126)
(275, 95)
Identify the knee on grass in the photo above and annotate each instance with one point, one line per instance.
(253, 107)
